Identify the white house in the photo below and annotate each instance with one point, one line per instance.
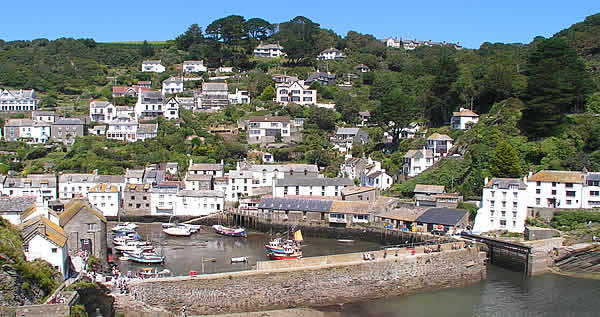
(163, 199)
(40, 186)
(216, 170)
(73, 184)
(240, 185)
(193, 66)
(352, 167)
(503, 205)
(152, 66)
(43, 239)
(134, 176)
(239, 97)
(375, 176)
(171, 109)
(416, 161)
(172, 85)
(591, 190)
(122, 128)
(268, 50)
(11, 208)
(556, 189)
(106, 198)
(295, 92)
(344, 138)
(331, 54)
(199, 203)
(463, 119)
(102, 111)
(27, 130)
(413, 130)
(310, 186)
(261, 127)
(172, 167)
(263, 175)
(45, 116)
(214, 96)
(391, 42)
(439, 144)
(147, 131)
(225, 69)
(17, 100)
(149, 104)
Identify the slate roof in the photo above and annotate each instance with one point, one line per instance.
(351, 131)
(148, 128)
(173, 80)
(442, 216)
(18, 204)
(76, 178)
(429, 189)
(152, 62)
(134, 173)
(297, 168)
(43, 113)
(295, 204)
(557, 176)
(76, 205)
(357, 190)
(193, 62)
(331, 50)
(201, 193)
(198, 177)
(350, 207)
(52, 232)
(464, 113)
(313, 181)
(205, 167)
(504, 183)
(25, 123)
(102, 104)
(418, 154)
(69, 121)
(35, 180)
(403, 214)
(269, 46)
(269, 119)
(593, 176)
(214, 86)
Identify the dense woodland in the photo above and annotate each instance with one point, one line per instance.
(539, 102)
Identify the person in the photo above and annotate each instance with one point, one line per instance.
(594, 238)
(385, 253)
(183, 311)
(590, 224)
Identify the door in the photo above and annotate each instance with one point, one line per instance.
(86, 245)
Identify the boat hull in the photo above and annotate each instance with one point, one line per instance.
(230, 232)
(279, 256)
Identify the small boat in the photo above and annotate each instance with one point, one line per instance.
(231, 232)
(145, 257)
(126, 227)
(345, 241)
(285, 256)
(279, 246)
(210, 260)
(239, 259)
(178, 231)
(132, 247)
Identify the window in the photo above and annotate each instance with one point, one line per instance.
(515, 194)
(503, 213)
(514, 214)
(538, 201)
(570, 193)
(54, 250)
(538, 191)
(553, 184)
(492, 203)
(538, 183)
(91, 227)
(503, 204)
(502, 223)
(569, 185)
(504, 194)
(594, 193)
(492, 193)
(568, 201)
(25, 247)
(554, 192)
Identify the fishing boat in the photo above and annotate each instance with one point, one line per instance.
(239, 259)
(125, 239)
(290, 254)
(145, 257)
(345, 241)
(231, 232)
(279, 245)
(126, 227)
(178, 231)
(134, 246)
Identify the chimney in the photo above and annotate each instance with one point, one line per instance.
(191, 163)
(485, 181)
(42, 227)
(530, 173)
(525, 180)
(95, 172)
(222, 162)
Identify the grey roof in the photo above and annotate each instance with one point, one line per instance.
(442, 216)
(320, 76)
(429, 189)
(200, 193)
(76, 178)
(313, 181)
(193, 62)
(152, 94)
(16, 204)
(25, 123)
(418, 154)
(593, 176)
(205, 167)
(331, 50)
(172, 164)
(351, 131)
(148, 128)
(155, 175)
(269, 46)
(68, 121)
(173, 80)
(505, 183)
(240, 174)
(198, 177)
(297, 168)
(214, 86)
(110, 179)
(134, 173)
(99, 104)
(43, 113)
(35, 181)
(21, 93)
(152, 62)
(295, 204)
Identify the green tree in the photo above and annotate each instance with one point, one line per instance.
(229, 30)
(557, 84)
(146, 50)
(396, 111)
(299, 38)
(192, 36)
(268, 94)
(259, 29)
(505, 162)
(323, 118)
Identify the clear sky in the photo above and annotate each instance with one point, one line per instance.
(468, 22)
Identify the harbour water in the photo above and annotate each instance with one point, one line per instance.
(504, 293)
(184, 254)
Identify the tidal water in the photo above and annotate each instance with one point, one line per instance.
(504, 293)
(184, 254)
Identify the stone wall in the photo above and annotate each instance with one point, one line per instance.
(316, 285)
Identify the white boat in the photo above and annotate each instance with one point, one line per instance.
(239, 259)
(178, 231)
(126, 227)
(135, 246)
(345, 241)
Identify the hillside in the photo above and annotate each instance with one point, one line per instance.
(22, 282)
(585, 37)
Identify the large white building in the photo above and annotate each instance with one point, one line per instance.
(416, 161)
(41, 186)
(296, 92)
(261, 127)
(463, 119)
(373, 175)
(199, 203)
(439, 144)
(503, 205)
(194, 66)
(171, 109)
(152, 66)
(268, 50)
(239, 97)
(310, 186)
(102, 111)
(149, 104)
(106, 198)
(27, 130)
(557, 189)
(172, 85)
(17, 100)
(122, 128)
(331, 54)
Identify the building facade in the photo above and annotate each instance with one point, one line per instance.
(18, 100)
(295, 92)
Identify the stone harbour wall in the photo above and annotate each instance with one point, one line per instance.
(314, 285)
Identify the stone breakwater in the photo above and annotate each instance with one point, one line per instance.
(314, 285)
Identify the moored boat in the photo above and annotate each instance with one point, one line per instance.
(285, 256)
(178, 231)
(126, 227)
(145, 257)
(239, 259)
(231, 232)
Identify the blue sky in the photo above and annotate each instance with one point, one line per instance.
(468, 22)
